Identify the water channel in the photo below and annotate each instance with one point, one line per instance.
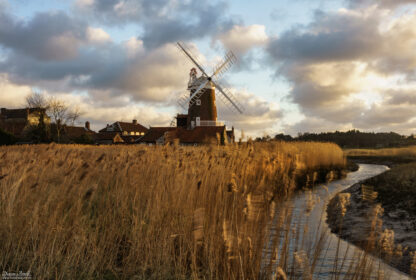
(308, 226)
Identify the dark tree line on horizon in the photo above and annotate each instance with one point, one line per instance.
(350, 139)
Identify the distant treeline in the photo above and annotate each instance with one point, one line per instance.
(351, 139)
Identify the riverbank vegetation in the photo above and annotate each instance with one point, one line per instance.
(388, 156)
(172, 212)
(392, 196)
(379, 215)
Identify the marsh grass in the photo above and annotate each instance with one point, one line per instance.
(387, 152)
(124, 212)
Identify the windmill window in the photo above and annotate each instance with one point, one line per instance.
(198, 102)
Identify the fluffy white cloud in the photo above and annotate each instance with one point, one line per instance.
(259, 115)
(97, 35)
(347, 66)
(11, 95)
(241, 39)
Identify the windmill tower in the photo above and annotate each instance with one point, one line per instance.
(200, 101)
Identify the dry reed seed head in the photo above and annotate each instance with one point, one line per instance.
(302, 265)
(386, 242)
(245, 189)
(233, 183)
(198, 225)
(368, 193)
(312, 200)
(230, 239)
(380, 274)
(413, 264)
(329, 177)
(272, 209)
(375, 213)
(339, 206)
(255, 206)
(280, 274)
(398, 252)
(250, 247)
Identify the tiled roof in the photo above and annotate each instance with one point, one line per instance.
(77, 131)
(155, 133)
(125, 126)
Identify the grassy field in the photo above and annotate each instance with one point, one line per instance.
(123, 212)
(388, 156)
(388, 152)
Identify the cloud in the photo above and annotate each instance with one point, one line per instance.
(240, 39)
(259, 115)
(380, 3)
(340, 36)
(385, 115)
(12, 96)
(97, 35)
(342, 60)
(407, 97)
(47, 36)
(61, 53)
(314, 125)
(162, 21)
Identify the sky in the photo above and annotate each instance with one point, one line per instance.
(303, 66)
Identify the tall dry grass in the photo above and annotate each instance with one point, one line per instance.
(138, 212)
(387, 152)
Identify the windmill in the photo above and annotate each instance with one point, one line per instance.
(200, 101)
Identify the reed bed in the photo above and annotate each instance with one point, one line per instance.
(140, 212)
(387, 152)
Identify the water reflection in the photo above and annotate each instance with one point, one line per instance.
(306, 247)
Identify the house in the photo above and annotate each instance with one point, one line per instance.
(16, 121)
(108, 138)
(79, 134)
(196, 136)
(155, 135)
(128, 132)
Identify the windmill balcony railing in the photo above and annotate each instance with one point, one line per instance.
(209, 123)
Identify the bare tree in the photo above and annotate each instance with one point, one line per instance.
(36, 100)
(73, 115)
(60, 113)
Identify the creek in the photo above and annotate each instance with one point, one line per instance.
(307, 230)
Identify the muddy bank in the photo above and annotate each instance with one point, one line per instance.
(356, 216)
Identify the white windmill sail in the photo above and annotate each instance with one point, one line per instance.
(226, 96)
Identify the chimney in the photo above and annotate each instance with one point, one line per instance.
(87, 125)
(134, 121)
